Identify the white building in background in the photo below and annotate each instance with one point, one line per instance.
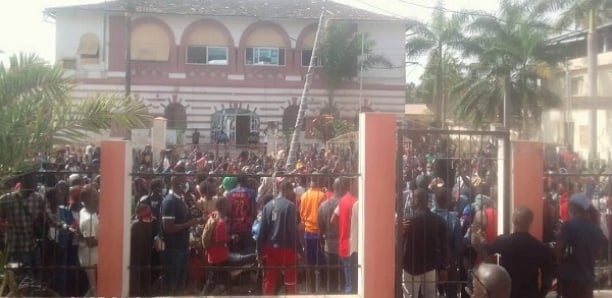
(570, 85)
(233, 66)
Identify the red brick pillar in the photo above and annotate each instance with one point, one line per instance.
(114, 238)
(377, 163)
(527, 181)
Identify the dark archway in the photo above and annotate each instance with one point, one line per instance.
(289, 117)
(177, 116)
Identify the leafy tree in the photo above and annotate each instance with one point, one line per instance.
(440, 40)
(453, 75)
(36, 111)
(326, 127)
(341, 57)
(513, 60)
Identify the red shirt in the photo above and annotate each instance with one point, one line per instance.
(563, 207)
(344, 212)
(218, 252)
(491, 227)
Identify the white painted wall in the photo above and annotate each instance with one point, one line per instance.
(200, 103)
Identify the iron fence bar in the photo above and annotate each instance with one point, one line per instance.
(220, 175)
(507, 181)
(498, 133)
(400, 215)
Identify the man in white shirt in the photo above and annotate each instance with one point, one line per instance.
(88, 226)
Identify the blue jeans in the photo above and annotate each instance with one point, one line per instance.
(174, 262)
(314, 253)
(350, 274)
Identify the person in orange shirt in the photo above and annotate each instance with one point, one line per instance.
(309, 213)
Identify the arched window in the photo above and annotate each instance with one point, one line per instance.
(89, 49)
(207, 44)
(177, 116)
(150, 42)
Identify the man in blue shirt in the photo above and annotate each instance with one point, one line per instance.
(578, 245)
(176, 224)
(278, 242)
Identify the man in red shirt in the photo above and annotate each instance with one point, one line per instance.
(342, 215)
(218, 253)
(241, 215)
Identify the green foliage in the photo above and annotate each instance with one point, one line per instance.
(510, 44)
(36, 111)
(327, 127)
(340, 52)
(576, 12)
(441, 40)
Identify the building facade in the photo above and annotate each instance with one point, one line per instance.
(230, 67)
(569, 125)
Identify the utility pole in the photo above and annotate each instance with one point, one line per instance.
(128, 47)
(506, 97)
(592, 85)
(292, 155)
(568, 106)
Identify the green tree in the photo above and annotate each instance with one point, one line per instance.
(513, 61)
(453, 75)
(36, 111)
(341, 49)
(440, 39)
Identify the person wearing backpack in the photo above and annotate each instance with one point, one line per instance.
(214, 244)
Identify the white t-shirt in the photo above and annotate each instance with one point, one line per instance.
(88, 225)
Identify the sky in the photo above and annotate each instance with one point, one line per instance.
(23, 28)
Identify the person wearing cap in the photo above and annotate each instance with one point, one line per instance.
(578, 245)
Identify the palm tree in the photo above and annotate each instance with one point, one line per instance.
(36, 111)
(344, 53)
(452, 75)
(439, 39)
(586, 14)
(513, 60)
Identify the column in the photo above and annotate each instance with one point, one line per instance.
(527, 181)
(377, 168)
(114, 237)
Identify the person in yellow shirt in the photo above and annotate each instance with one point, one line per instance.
(309, 212)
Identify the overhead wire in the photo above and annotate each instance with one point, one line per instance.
(481, 14)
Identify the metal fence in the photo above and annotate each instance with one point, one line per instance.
(558, 188)
(463, 172)
(66, 267)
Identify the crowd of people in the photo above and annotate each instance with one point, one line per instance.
(206, 224)
(219, 216)
(451, 245)
(199, 223)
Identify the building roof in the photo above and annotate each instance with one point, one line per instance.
(269, 9)
(575, 35)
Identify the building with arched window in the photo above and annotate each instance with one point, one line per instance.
(223, 68)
